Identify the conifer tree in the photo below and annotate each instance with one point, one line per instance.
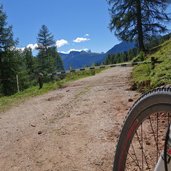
(45, 40)
(29, 60)
(49, 59)
(58, 61)
(8, 59)
(138, 20)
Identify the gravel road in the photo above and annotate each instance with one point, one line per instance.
(70, 129)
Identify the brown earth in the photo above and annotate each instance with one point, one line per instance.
(70, 129)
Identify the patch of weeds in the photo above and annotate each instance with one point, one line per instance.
(160, 74)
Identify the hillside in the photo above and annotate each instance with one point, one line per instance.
(145, 77)
(121, 47)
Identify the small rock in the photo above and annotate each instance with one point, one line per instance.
(39, 132)
(63, 133)
(130, 100)
(136, 95)
(133, 87)
(33, 125)
(148, 143)
(100, 163)
(104, 102)
(67, 90)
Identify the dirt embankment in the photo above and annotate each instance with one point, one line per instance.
(70, 129)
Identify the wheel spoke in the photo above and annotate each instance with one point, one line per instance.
(157, 145)
(136, 158)
(139, 152)
(152, 128)
(142, 149)
(143, 153)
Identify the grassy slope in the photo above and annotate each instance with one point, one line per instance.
(160, 75)
(8, 101)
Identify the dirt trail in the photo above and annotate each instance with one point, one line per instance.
(71, 129)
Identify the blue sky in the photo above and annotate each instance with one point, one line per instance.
(75, 24)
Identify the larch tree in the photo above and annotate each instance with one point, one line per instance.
(138, 20)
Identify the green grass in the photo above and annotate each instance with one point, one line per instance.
(81, 74)
(160, 74)
(8, 101)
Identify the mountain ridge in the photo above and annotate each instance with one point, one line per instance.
(80, 59)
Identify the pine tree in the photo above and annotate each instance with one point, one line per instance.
(138, 20)
(29, 60)
(8, 59)
(48, 56)
(45, 40)
(30, 63)
(23, 71)
(58, 61)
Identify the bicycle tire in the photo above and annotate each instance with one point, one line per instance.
(158, 100)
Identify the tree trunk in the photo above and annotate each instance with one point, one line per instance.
(139, 26)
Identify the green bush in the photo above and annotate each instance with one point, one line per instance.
(140, 57)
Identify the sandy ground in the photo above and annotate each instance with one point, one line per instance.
(71, 129)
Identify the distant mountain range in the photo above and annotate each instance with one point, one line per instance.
(82, 59)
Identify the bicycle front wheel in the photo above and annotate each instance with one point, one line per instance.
(142, 137)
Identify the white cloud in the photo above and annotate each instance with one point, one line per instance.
(80, 39)
(87, 35)
(32, 46)
(59, 43)
(62, 42)
(76, 50)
